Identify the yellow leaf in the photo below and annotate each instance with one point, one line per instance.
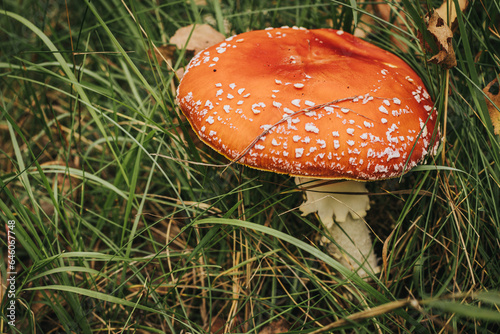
(494, 107)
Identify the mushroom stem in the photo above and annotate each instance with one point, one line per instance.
(353, 244)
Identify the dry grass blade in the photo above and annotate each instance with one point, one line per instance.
(367, 314)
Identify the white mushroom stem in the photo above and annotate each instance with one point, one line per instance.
(349, 229)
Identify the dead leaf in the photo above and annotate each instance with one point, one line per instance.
(217, 326)
(440, 23)
(492, 109)
(196, 38)
(448, 11)
(277, 326)
(180, 72)
(163, 53)
(444, 40)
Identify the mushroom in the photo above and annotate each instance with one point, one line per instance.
(314, 104)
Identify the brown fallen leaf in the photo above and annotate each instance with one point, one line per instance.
(276, 326)
(220, 325)
(493, 107)
(448, 12)
(163, 53)
(443, 37)
(196, 38)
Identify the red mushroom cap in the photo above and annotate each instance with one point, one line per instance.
(318, 103)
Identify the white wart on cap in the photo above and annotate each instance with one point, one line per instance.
(325, 103)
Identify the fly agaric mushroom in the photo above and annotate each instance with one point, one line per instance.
(313, 104)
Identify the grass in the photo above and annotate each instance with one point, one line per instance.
(125, 222)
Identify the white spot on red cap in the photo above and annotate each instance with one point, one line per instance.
(311, 128)
(209, 104)
(382, 109)
(299, 152)
(257, 105)
(310, 113)
(381, 169)
(391, 154)
(367, 98)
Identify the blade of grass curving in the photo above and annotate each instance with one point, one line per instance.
(114, 300)
(472, 78)
(122, 51)
(465, 310)
(71, 77)
(81, 175)
(24, 237)
(354, 9)
(22, 175)
(98, 295)
(74, 269)
(490, 297)
(22, 234)
(353, 277)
